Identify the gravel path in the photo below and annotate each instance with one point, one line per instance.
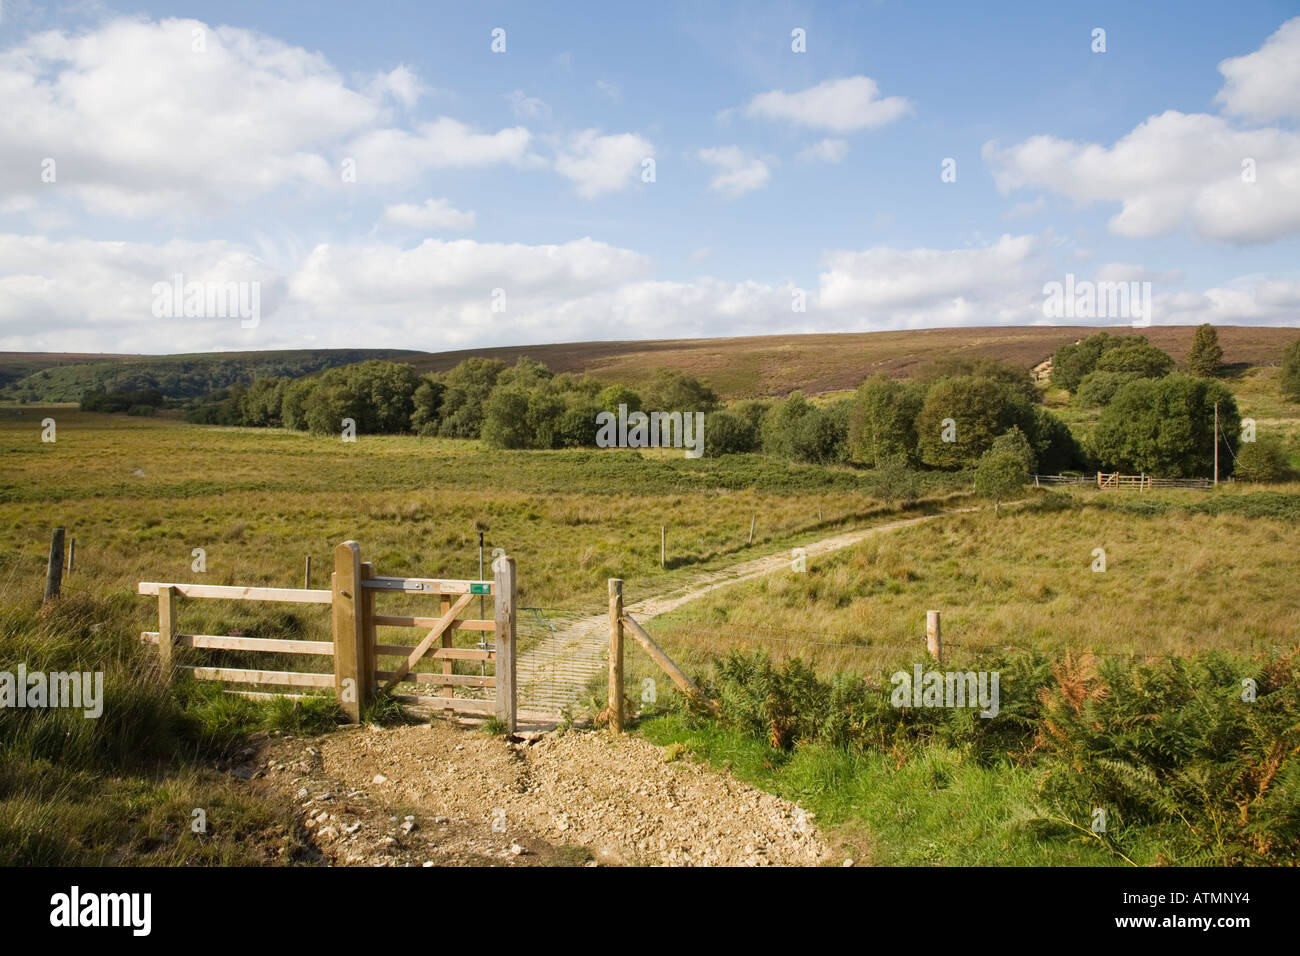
(442, 795)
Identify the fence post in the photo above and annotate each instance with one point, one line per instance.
(72, 554)
(166, 630)
(933, 636)
(306, 574)
(504, 599)
(348, 629)
(54, 568)
(616, 654)
(663, 545)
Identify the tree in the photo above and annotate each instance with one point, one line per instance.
(1013, 376)
(1098, 388)
(961, 417)
(1070, 363)
(1264, 459)
(1054, 445)
(1165, 427)
(800, 431)
(1289, 380)
(1205, 355)
(615, 395)
(674, 391)
(426, 403)
(505, 418)
(893, 479)
(1137, 359)
(1002, 470)
(882, 421)
(468, 386)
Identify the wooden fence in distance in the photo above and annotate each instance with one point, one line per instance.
(354, 647)
(1114, 481)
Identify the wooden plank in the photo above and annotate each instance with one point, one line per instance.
(398, 620)
(349, 649)
(616, 655)
(286, 595)
(506, 595)
(447, 667)
(446, 653)
(430, 677)
(223, 642)
(166, 630)
(269, 695)
(429, 638)
(428, 585)
(684, 683)
(241, 676)
(470, 704)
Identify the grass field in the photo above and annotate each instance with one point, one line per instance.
(1185, 572)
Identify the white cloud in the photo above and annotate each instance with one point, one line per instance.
(399, 156)
(825, 151)
(1174, 171)
(432, 214)
(1133, 272)
(140, 123)
(737, 171)
(528, 107)
(611, 90)
(1265, 85)
(1248, 300)
(843, 105)
(82, 293)
(911, 283)
(598, 165)
(1187, 171)
(96, 295)
(401, 83)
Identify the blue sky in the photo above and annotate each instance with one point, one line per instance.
(775, 172)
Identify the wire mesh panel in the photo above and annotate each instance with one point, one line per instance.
(561, 653)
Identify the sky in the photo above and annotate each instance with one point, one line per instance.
(449, 176)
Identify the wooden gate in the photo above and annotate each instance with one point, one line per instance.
(354, 589)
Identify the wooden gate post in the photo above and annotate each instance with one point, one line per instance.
(166, 631)
(54, 569)
(616, 654)
(348, 621)
(505, 598)
(933, 636)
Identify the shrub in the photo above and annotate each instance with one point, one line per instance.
(727, 433)
(1264, 459)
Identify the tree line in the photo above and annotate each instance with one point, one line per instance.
(1151, 420)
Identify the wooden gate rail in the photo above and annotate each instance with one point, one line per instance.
(355, 649)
